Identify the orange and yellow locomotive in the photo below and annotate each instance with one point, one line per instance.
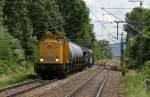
(59, 56)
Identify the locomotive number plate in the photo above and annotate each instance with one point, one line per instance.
(49, 58)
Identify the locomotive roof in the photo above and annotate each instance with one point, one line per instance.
(55, 36)
(52, 36)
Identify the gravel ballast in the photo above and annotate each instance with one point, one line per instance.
(62, 87)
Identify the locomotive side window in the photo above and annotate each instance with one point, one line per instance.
(60, 39)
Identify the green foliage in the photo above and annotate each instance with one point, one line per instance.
(45, 16)
(147, 64)
(78, 28)
(13, 65)
(18, 74)
(18, 24)
(17, 21)
(146, 70)
(102, 50)
(133, 18)
(11, 53)
(77, 24)
(10, 49)
(134, 83)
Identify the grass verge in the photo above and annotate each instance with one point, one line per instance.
(134, 84)
(18, 75)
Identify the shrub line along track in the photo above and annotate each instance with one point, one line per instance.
(24, 84)
(84, 84)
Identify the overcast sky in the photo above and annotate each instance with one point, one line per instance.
(109, 28)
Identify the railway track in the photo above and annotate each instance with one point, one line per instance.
(102, 85)
(20, 84)
(23, 88)
(78, 90)
(18, 89)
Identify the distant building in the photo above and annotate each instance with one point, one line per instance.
(116, 50)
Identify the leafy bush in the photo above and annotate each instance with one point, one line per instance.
(13, 64)
(147, 64)
(15, 73)
(10, 48)
(12, 57)
(132, 64)
(3, 67)
(146, 70)
(134, 85)
(32, 50)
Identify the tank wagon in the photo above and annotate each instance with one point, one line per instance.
(59, 56)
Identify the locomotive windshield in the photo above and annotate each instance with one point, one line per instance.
(53, 37)
(60, 39)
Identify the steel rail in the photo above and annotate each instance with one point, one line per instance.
(32, 88)
(102, 85)
(82, 85)
(19, 85)
(25, 90)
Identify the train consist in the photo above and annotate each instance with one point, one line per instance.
(59, 56)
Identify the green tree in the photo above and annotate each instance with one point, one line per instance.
(133, 18)
(11, 51)
(77, 23)
(102, 50)
(1, 17)
(18, 24)
(45, 17)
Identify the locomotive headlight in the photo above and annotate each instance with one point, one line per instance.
(41, 59)
(57, 60)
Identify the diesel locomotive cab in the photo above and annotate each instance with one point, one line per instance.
(53, 54)
(50, 52)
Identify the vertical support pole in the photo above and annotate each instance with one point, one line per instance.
(117, 29)
(141, 39)
(129, 47)
(117, 22)
(121, 59)
(122, 55)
